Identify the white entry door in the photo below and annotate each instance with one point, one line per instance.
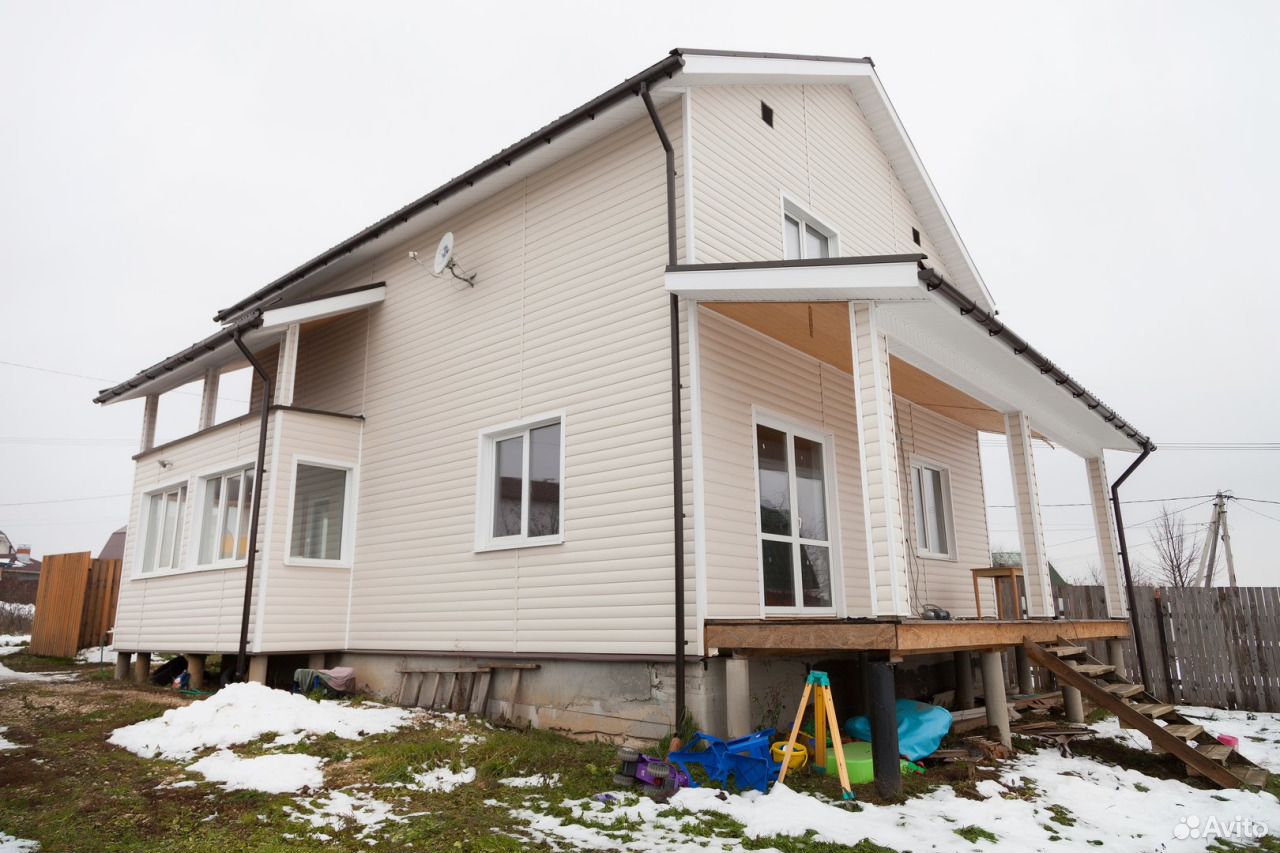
(794, 519)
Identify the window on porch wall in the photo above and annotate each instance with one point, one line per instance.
(795, 545)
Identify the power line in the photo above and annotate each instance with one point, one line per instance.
(101, 379)
(1136, 501)
(67, 500)
(1253, 500)
(1255, 512)
(64, 441)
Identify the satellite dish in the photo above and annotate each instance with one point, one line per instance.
(444, 253)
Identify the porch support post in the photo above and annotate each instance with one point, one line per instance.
(287, 366)
(316, 660)
(258, 669)
(1072, 704)
(1026, 496)
(878, 461)
(993, 695)
(209, 398)
(124, 662)
(195, 669)
(1023, 664)
(1108, 543)
(737, 683)
(150, 411)
(1115, 656)
(963, 662)
(884, 730)
(142, 667)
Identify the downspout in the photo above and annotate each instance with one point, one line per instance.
(268, 393)
(1147, 448)
(677, 448)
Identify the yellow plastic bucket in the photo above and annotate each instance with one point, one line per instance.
(799, 755)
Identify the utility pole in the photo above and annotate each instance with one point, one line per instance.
(1209, 556)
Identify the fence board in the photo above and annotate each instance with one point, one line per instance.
(1221, 648)
(59, 605)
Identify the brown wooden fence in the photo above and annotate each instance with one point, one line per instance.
(75, 604)
(1217, 647)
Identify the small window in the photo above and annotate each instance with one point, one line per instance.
(319, 522)
(766, 113)
(162, 529)
(225, 517)
(521, 499)
(931, 488)
(803, 239)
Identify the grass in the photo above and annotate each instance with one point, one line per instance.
(973, 834)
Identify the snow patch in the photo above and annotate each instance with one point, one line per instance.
(7, 674)
(538, 780)
(240, 713)
(441, 780)
(5, 743)
(9, 844)
(97, 654)
(337, 809)
(24, 611)
(274, 774)
(1258, 731)
(14, 639)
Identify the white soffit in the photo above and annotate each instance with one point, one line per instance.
(711, 70)
(933, 336)
(319, 309)
(788, 283)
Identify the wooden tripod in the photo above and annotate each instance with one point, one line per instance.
(824, 713)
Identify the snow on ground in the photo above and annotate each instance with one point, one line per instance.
(538, 780)
(240, 713)
(9, 844)
(274, 774)
(439, 780)
(7, 674)
(5, 743)
(1258, 732)
(97, 654)
(22, 611)
(10, 643)
(338, 809)
(1041, 802)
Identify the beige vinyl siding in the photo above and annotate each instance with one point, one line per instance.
(190, 611)
(933, 438)
(331, 362)
(568, 314)
(742, 369)
(820, 152)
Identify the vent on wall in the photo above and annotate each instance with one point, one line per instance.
(915, 236)
(766, 113)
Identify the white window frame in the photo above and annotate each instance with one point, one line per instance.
(197, 527)
(144, 528)
(926, 502)
(486, 471)
(347, 547)
(791, 209)
(759, 418)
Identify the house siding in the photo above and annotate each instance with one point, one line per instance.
(820, 152)
(742, 369)
(926, 435)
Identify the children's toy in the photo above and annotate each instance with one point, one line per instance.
(857, 758)
(824, 714)
(799, 754)
(744, 762)
(659, 780)
(921, 728)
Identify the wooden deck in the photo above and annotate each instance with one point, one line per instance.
(896, 639)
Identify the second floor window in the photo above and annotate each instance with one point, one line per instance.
(162, 529)
(931, 496)
(224, 517)
(803, 239)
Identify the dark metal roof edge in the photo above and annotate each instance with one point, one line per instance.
(667, 67)
(852, 260)
(754, 54)
(1047, 368)
(173, 362)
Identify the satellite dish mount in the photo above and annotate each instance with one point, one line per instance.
(445, 260)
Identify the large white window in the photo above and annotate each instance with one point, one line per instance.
(931, 493)
(162, 529)
(803, 237)
(225, 509)
(795, 529)
(320, 529)
(521, 498)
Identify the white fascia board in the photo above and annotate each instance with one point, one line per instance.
(318, 309)
(834, 283)
(712, 70)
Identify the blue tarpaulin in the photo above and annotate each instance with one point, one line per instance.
(921, 728)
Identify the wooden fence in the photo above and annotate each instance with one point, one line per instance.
(1217, 647)
(75, 604)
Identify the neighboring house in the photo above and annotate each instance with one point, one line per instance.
(731, 407)
(113, 548)
(16, 562)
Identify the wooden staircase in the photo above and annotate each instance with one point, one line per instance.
(1168, 730)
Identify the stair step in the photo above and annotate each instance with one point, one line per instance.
(1186, 732)
(1066, 651)
(1255, 777)
(1218, 752)
(1124, 689)
(1154, 710)
(1092, 670)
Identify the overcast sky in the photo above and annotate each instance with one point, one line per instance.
(1111, 168)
